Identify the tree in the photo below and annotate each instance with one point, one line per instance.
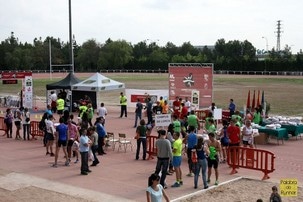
(88, 56)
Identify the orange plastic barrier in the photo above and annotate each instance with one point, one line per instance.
(2, 124)
(151, 146)
(255, 159)
(35, 131)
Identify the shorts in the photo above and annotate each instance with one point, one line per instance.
(18, 124)
(213, 162)
(60, 112)
(62, 142)
(49, 136)
(70, 143)
(224, 142)
(177, 161)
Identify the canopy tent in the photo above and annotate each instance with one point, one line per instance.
(93, 86)
(64, 84)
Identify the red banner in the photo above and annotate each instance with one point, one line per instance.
(184, 78)
(14, 75)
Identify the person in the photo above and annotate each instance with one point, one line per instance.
(169, 136)
(60, 105)
(177, 124)
(193, 120)
(42, 126)
(53, 98)
(141, 138)
(157, 109)
(212, 127)
(73, 135)
(161, 100)
(123, 103)
(247, 135)
(184, 112)
(84, 148)
(224, 140)
(164, 155)
(90, 113)
(49, 110)
(237, 118)
(202, 151)
(50, 129)
(101, 135)
(257, 118)
(61, 136)
(231, 107)
(275, 196)
(213, 158)
(84, 120)
(176, 107)
(102, 111)
(177, 159)
(65, 116)
(155, 191)
(82, 109)
(207, 120)
(165, 108)
(191, 140)
(149, 110)
(138, 112)
(94, 145)
(9, 122)
(212, 107)
(17, 120)
(188, 105)
(233, 133)
(26, 123)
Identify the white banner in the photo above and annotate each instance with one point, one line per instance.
(27, 92)
(162, 120)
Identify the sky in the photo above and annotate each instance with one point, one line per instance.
(200, 22)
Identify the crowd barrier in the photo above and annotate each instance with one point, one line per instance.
(35, 131)
(255, 159)
(2, 124)
(151, 146)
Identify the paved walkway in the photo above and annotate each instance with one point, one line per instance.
(119, 177)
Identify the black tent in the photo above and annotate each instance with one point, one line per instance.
(65, 83)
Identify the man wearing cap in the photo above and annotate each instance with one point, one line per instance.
(164, 154)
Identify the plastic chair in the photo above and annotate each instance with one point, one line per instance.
(111, 141)
(123, 141)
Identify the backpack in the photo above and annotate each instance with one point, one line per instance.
(42, 125)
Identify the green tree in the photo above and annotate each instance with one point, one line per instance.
(87, 57)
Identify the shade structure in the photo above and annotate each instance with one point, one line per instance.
(248, 100)
(258, 99)
(253, 104)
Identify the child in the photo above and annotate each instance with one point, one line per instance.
(177, 159)
(275, 196)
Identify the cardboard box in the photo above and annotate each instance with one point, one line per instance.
(262, 138)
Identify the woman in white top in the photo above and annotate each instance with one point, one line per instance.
(247, 133)
(26, 123)
(155, 191)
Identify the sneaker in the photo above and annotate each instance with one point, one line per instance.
(54, 165)
(47, 153)
(176, 185)
(89, 171)
(84, 173)
(66, 163)
(217, 182)
(181, 182)
(190, 175)
(206, 187)
(76, 161)
(195, 187)
(52, 154)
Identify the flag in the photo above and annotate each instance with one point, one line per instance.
(253, 101)
(258, 100)
(248, 100)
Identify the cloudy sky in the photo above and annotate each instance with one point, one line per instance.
(200, 22)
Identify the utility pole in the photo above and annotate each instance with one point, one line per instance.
(71, 51)
(278, 35)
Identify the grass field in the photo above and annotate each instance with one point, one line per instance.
(285, 94)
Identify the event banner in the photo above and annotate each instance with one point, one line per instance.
(134, 94)
(27, 92)
(187, 79)
(14, 75)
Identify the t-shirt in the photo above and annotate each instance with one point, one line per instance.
(83, 140)
(60, 104)
(102, 111)
(177, 126)
(142, 131)
(62, 132)
(156, 196)
(212, 129)
(192, 120)
(191, 140)
(72, 129)
(234, 134)
(177, 145)
(247, 133)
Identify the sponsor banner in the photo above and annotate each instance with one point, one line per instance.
(27, 88)
(10, 81)
(162, 120)
(289, 187)
(133, 94)
(184, 79)
(14, 75)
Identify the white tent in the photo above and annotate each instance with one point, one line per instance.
(98, 82)
(93, 86)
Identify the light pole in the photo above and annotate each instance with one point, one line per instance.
(71, 53)
(263, 37)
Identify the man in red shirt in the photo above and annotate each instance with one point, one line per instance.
(176, 106)
(233, 133)
(184, 112)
